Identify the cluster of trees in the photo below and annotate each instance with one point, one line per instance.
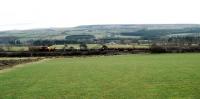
(184, 40)
(94, 41)
(156, 33)
(55, 42)
(15, 42)
(176, 44)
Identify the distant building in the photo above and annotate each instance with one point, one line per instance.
(144, 41)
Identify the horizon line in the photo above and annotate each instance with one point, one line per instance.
(51, 27)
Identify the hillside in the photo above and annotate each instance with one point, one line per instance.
(146, 31)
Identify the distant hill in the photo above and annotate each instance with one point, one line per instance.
(146, 31)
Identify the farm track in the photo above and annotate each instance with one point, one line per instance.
(8, 63)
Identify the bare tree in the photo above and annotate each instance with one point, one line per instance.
(104, 47)
(64, 47)
(1, 48)
(8, 47)
(83, 46)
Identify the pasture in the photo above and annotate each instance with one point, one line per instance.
(139, 76)
(76, 46)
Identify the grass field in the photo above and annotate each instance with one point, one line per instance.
(141, 76)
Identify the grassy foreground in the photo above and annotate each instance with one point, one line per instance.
(138, 76)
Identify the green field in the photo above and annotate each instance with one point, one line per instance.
(140, 76)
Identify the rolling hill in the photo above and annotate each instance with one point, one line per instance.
(145, 31)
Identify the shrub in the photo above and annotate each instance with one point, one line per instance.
(157, 49)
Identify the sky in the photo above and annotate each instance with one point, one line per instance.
(28, 14)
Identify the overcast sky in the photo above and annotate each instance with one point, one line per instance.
(25, 14)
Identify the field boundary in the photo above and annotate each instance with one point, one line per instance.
(21, 65)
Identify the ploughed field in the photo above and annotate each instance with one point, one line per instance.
(140, 76)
